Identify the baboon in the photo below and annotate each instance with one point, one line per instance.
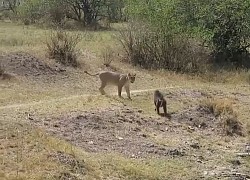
(159, 101)
(114, 78)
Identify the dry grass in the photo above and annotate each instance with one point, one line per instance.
(219, 106)
(27, 155)
(223, 109)
(108, 56)
(62, 47)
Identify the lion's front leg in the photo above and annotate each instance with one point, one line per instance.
(127, 91)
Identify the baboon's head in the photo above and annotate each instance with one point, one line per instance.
(131, 77)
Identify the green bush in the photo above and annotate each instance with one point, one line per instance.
(221, 27)
(159, 50)
(222, 24)
(36, 11)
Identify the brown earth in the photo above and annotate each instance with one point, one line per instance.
(25, 64)
(127, 131)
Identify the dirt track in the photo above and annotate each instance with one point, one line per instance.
(71, 98)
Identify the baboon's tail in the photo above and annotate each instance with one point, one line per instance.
(91, 74)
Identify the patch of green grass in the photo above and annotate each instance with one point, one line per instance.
(150, 169)
(14, 37)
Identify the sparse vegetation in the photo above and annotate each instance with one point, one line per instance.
(231, 125)
(219, 106)
(1, 70)
(108, 56)
(159, 49)
(224, 111)
(62, 47)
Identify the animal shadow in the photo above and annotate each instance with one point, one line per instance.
(167, 116)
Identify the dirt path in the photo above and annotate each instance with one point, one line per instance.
(12, 106)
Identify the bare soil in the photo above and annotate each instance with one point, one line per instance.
(126, 131)
(25, 64)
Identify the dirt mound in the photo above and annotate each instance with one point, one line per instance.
(112, 130)
(126, 131)
(25, 64)
(196, 117)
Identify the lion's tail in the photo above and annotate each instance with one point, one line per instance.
(91, 74)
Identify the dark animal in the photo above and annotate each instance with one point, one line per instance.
(159, 101)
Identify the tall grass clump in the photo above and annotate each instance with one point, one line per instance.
(108, 56)
(61, 46)
(225, 113)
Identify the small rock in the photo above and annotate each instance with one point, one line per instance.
(203, 125)
(140, 111)
(151, 145)
(138, 122)
(162, 149)
(56, 125)
(90, 142)
(200, 157)
(137, 129)
(248, 148)
(175, 152)
(120, 138)
(144, 135)
(236, 162)
(199, 161)
(243, 154)
(191, 128)
(205, 173)
(80, 117)
(31, 118)
(195, 145)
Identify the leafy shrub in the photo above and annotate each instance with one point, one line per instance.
(156, 48)
(220, 25)
(36, 11)
(223, 24)
(62, 47)
(5, 14)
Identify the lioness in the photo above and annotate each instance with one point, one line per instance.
(114, 78)
(159, 101)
